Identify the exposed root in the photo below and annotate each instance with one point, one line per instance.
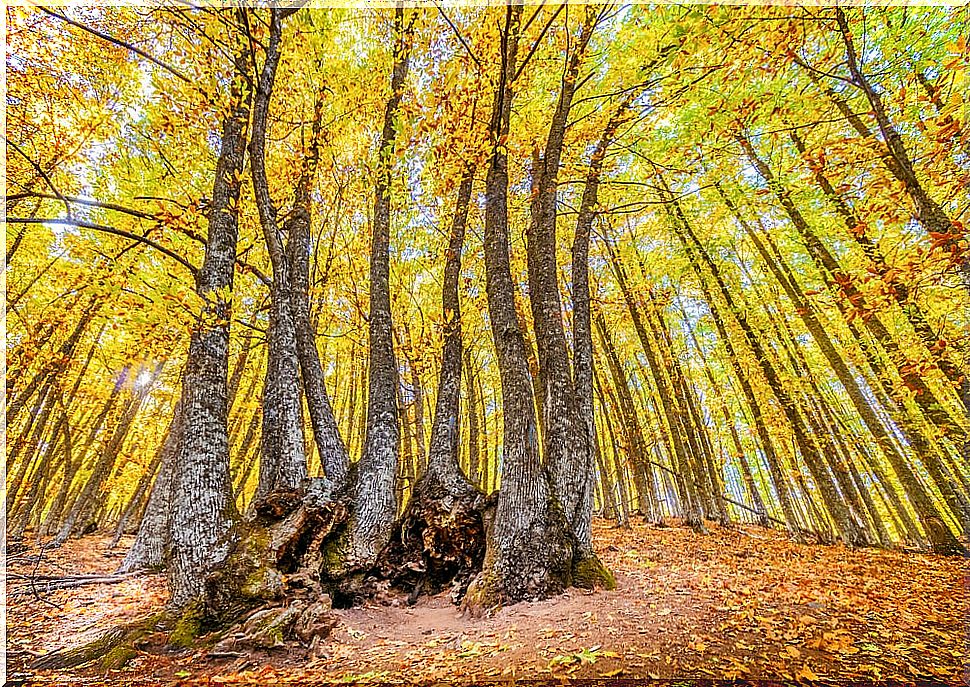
(113, 649)
(590, 573)
(270, 628)
(288, 569)
(281, 555)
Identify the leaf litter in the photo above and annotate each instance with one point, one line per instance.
(736, 604)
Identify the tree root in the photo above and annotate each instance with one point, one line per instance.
(278, 581)
(590, 573)
(113, 649)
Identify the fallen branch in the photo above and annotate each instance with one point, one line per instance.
(760, 514)
(50, 583)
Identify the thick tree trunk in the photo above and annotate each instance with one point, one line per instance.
(204, 514)
(566, 447)
(440, 537)
(529, 546)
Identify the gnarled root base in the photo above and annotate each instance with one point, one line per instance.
(439, 541)
(268, 590)
(534, 562)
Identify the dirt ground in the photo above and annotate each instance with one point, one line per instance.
(741, 603)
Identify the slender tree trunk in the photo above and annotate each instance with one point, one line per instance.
(54, 366)
(282, 461)
(149, 548)
(671, 414)
(582, 322)
(330, 445)
(445, 428)
(944, 541)
(109, 454)
(475, 462)
(803, 437)
(374, 507)
(929, 213)
(137, 499)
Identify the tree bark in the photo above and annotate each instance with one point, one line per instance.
(149, 548)
(204, 514)
(326, 433)
(566, 446)
(445, 427)
(282, 461)
(374, 505)
(529, 548)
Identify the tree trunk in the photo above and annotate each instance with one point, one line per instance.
(944, 541)
(204, 514)
(929, 213)
(326, 433)
(582, 321)
(149, 548)
(637, 450)
(440, 537)
(374, 505)
(475, 461)
(566, 446)
(803, 438)
(529, 546)
(282, 460)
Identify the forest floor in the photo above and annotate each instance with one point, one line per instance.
(741, 603)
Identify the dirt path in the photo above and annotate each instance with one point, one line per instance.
(733, 604)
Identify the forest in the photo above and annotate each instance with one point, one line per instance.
(487, 341)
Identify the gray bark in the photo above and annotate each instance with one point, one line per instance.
(282, 461)
(148, 549)
(374, 505)
(567, 448)
(204, 514)
(445, 427)
(528, 550)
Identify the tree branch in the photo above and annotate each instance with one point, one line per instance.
(108, 230)
(120, 43)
